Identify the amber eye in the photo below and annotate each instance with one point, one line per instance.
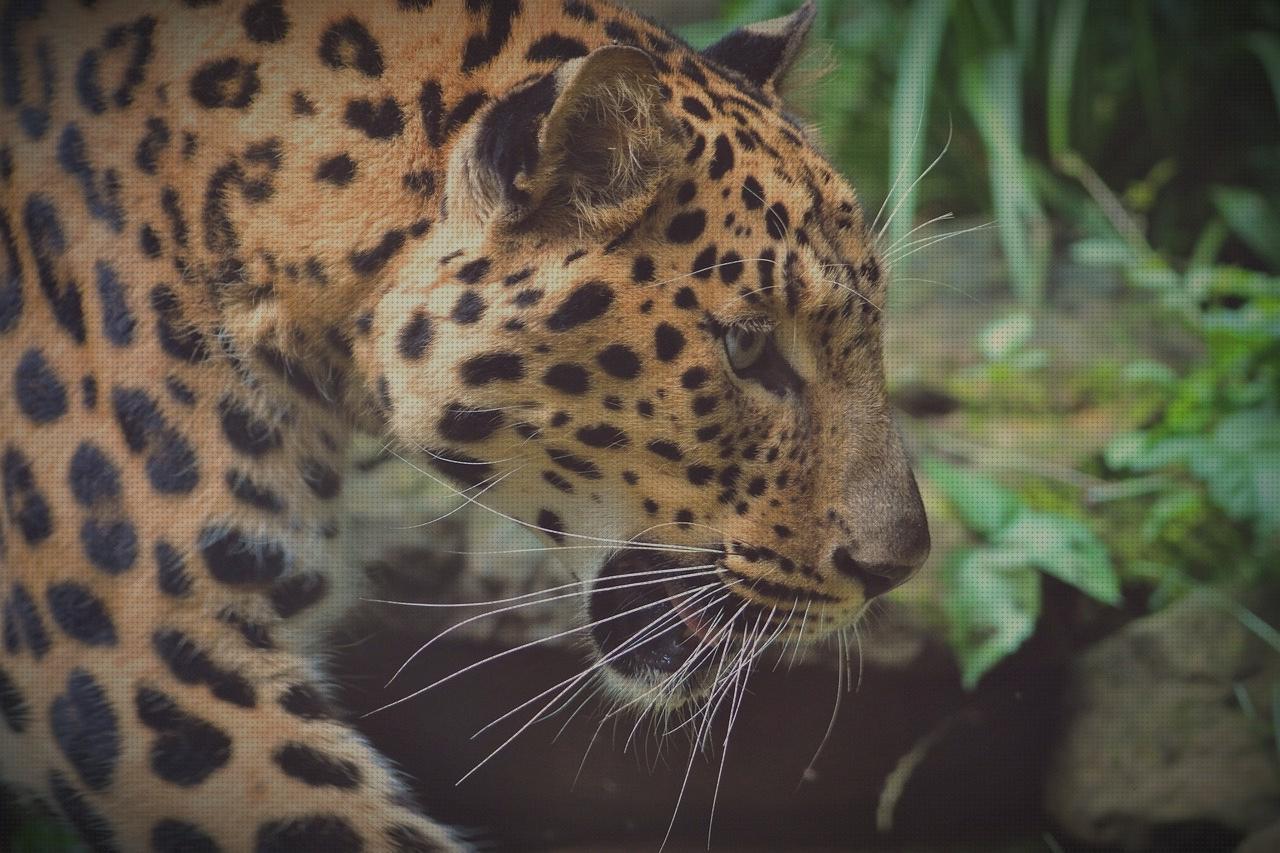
(744, 347)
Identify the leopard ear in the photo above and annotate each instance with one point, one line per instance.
(591, 142)
(763, 52)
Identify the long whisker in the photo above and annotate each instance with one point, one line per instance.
(906, 195)
(702, 571)
(902, 171)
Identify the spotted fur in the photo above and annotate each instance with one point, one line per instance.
(513, 236)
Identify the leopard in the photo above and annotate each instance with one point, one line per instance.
(588, 278)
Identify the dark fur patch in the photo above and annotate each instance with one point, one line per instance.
(171, 570)
(316, 832)
(92, 827)
(566, 377)
(245, 431)
(233, 558)
(40, 392)
(84, 727)
(48, 243)
(117, 320)
(13, 707)
(323, 481)
(228, 82)
(25, 505)
(191, 665)
(381, 120)
(347, 43)
(461, 467)
(80, 614)
(306, 702)
(314, 768)
(265, 21)
(176, 836)
(586, 303)
(187, 749)
(295, 593)
(171, 458)
(491, 367)
(110, 544)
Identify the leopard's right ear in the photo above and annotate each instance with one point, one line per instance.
(589, 143)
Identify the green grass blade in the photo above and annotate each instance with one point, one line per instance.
(1251, 218)
(1266, 46)
(1063, 48)
(917, 64)
(992, 91)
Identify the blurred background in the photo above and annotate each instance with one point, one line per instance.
(1081, 201)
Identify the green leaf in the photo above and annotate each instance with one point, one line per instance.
(1063, 46)
(1266, 46)
(983, 505)
(1065, 548)
(1251, 218)
(992, 603)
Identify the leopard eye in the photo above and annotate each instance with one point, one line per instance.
(744, 347)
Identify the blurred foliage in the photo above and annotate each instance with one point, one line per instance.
(1141, 137)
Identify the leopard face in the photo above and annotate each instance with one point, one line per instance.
(648, 325)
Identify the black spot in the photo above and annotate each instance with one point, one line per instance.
(10, 277)
(154, 141)
(586, 303)
(461, 467)
(603, 435)
(348, 44)
(228, 82)
(695, 150)
(172, 207)
(84, 726)
(440, 125)
(369, 261)
(40, 393)
(190, 665)
(13, 708)
(339, 170)
(421, 182)
(177, 337)
(249, 491)
(324, 832)
(721, 159)
(175, 836)
(322, 480)
(668, 342)
(101, 191)
(707, 433)
(752, 193)
(23, 620)
(463, 423)
(93, 828)
(296, 593)
(582, 467)
(187, 749)
(255, 634)
(305, 701)
(265, 21)
(557, 481)
(319, 381)
(171, 570)
(687, 227)
(555, 48)
(665, 449)
(696, 108)
(25, 505)
(111, 545)
(581, 11)
(117, 320)
(551, 525)
(149, 242)
(80, 614)
(483, 369)
(89, 391)
(48, 242)
(700, 475)
(482, 49)
(569, 378)
(314, 768)
(731, 267)
(705, 405)
(528, 297)
(619, 361)
(776, 220)
(642, 269)
(233, 558)
(704, 264)
(473, 272)
(694, 378)
(246, 432)
(685, 298)
(382, 120)
(301, 105)
(171, 459)
(469, 308)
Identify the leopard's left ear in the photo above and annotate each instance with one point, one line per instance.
(763, 52)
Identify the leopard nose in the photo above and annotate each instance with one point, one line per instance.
(891, 553)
